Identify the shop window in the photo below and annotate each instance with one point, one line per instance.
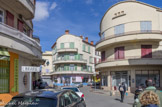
(103, 56)
(119, 29)
(1, 16)
(146, 26)
(104, 80)
(9, 19)
(119, 52)
(146, 51)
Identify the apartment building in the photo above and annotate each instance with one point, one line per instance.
(18, 47)
(73, 59)
(131, 45)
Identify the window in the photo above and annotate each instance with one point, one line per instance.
(146, 51)
(103, 56)
(84, 47)
(104, 80)
(1, 15)
(75, 97)
(62, 68)
(119, 29)
(62, 45)
(89, 49)
(71, 56)
(20, 26)
(146, 26)
(71, 67)
(102, 36)
(65, 100)
(10, 19)
(71, 45)
(119, 53)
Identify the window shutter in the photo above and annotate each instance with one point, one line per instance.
(67, 55)
(91, 68)
(62, 45)
(103, 56)
(10, 19)
(75, 56)
(75, 67)
(67, 67)
(78, 56)
(72, 45)
(116, 53)
(20, 26)
(121, 52)
(81, 67)
(146, 51)
(89, 49)
(95, 60)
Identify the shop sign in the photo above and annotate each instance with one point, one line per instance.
(30, 69)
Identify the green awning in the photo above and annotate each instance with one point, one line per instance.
(4, 52)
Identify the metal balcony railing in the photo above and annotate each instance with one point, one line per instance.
(130, 58)
(130, 33)
(70, 60)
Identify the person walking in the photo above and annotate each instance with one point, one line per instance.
(122, 90)
(150, 97)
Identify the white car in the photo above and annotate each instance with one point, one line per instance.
(76, 90)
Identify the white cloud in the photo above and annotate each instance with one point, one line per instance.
(41, 11)
(53, 6)
(89, 1)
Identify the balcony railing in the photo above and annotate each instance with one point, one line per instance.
(31, 3)
(70, 60)
(67, 49)
(70, 71)
(12, 32)
(130, 58)
(130, 33)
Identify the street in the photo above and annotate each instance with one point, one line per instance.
(103, 100)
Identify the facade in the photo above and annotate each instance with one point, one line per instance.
(73, 59)
(18, 47)
(131, 45)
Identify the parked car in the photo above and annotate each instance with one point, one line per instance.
(77, 84)
(47, 98)
(76, 90)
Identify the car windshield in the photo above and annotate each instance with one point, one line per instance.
(32, 102)
(74, 89)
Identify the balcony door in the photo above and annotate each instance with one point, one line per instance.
(9, 19)
(20, 25)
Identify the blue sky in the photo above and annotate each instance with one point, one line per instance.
(81, 17)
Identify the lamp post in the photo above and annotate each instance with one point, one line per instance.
(95, 79)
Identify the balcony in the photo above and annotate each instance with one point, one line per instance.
(67, 50)
(71, 72)
(129, 61)
(128, 37)
(71, 61)
(14, 39)
(26, 8)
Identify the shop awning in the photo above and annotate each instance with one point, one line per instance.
(4, 52)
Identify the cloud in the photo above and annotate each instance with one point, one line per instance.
(89, 1)
(41, 11)
(53, 6)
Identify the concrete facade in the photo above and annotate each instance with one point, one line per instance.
(121, 27)
(18, 45)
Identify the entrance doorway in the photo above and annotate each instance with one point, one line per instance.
(118, 77)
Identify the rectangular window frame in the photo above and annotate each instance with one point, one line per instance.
(145, 26)
(119, 29)
(2, 16)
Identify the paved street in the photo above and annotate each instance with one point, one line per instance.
(104, 100)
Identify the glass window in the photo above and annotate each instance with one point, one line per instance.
(75, 97)
(1, 15)
(71, 67)
(65, 100)
(102, 36)
(72, 56)
(72, 45)
(104, 80)
(119, 29)
(84, 47)
(146, 26)
(62, 45)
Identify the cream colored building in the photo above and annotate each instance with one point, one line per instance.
(73, 59)
(131, 45)
(18, 47)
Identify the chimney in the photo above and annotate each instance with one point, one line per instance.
(66, 31)
(86, 39)
(91, 42)
(81, 36)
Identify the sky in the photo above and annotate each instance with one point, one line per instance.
(81, 17)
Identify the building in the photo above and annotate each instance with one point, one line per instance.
(47, 68)
(131, 45)
(18, 47)
(73, 59)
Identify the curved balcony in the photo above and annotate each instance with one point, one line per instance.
(26, 8)
(15, 40)
(129, 37)
(129, 61)
(67, 50)
(71, 61)
(71, 72)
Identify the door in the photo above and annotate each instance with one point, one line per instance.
(9, 19)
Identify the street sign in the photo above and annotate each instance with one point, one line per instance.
(30, 69)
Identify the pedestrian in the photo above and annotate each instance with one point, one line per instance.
(122, 90)
(150, 97)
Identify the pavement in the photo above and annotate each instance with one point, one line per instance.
(101, 98)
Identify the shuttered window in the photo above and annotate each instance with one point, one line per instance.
(75, 67)
(119, 53)
(4, 76)
(89, 49)
(146, 51)
(146, 26)
(20, 26)
(62, 45)
(84, 47)
(9, 19)
(71, 45)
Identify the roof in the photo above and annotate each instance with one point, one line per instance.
(157, 8)
(44, 93)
